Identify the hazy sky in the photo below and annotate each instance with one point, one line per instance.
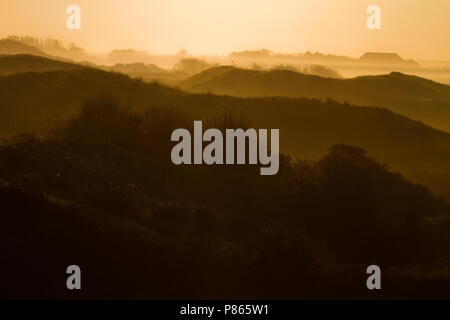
(418, 29)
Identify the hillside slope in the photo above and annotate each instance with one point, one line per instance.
(20, 63)
(40, 101)
(9, 46)
(415, 97)
(101, 192)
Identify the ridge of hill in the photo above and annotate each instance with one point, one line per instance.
(9, 46)
(40, 101)
(409, 95)
(20, 63)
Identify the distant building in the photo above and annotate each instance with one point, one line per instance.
(386, 59)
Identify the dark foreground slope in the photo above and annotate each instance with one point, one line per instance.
(414, 97)
(101, 192)
(39, 101)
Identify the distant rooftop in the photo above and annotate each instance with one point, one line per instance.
(386, 58)
(381, 56)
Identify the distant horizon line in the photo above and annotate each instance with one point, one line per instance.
(194, 54)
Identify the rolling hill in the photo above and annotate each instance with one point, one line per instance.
(414, 97)
(99, 188)
(9, 46)
(20, 63)
(40, 101)
(102, 192)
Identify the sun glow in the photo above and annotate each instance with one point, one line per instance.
(220, 27)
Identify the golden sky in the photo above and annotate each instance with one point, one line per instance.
(418, 29)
